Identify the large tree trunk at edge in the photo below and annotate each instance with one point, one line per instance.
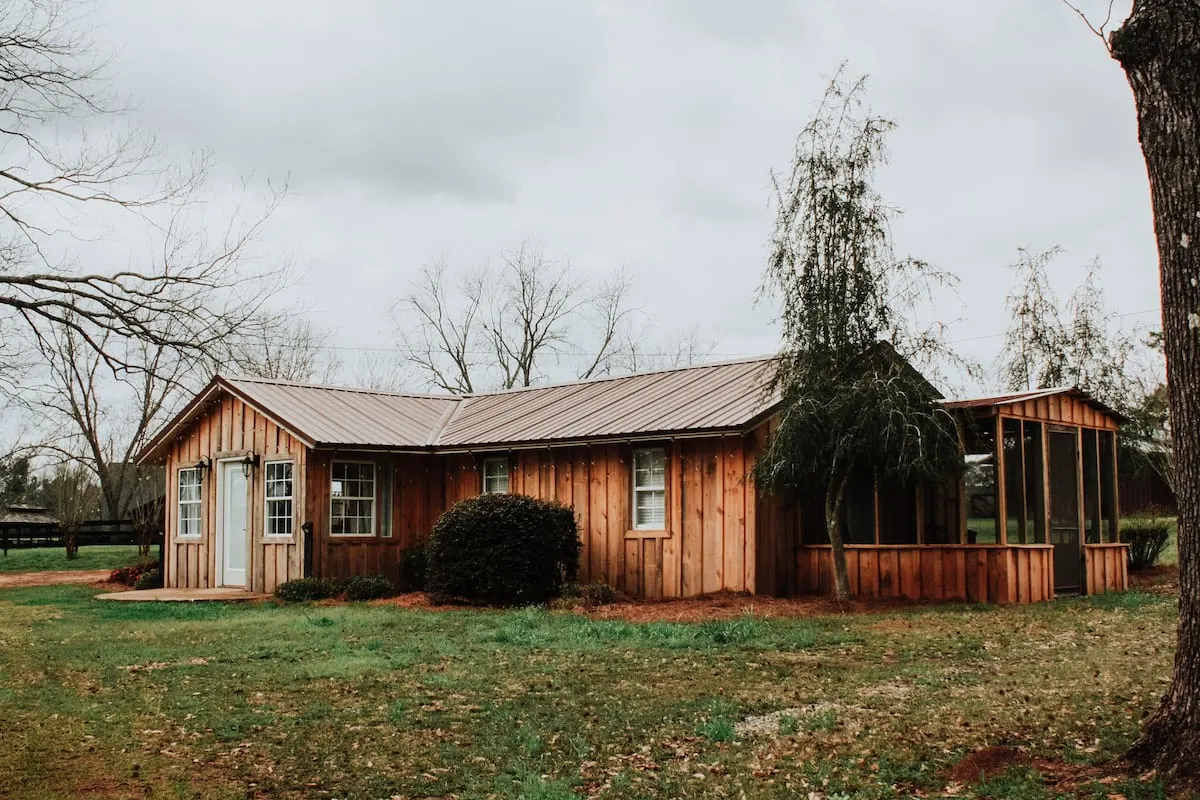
(1159, 48)
(835, 494)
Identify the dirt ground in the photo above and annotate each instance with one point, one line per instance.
(53, 578)
(991, 762)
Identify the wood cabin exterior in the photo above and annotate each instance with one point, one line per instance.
(269, 481)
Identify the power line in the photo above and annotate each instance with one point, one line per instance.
(593, 354)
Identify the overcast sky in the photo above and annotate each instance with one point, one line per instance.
(641, 134)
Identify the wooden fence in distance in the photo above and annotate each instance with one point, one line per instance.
(26, 536)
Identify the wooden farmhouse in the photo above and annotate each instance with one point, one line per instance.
(269, 481)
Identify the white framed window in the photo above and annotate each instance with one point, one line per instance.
(649, 488)
(495, 475)
(279, 489)
(352, 498)
(190, 493)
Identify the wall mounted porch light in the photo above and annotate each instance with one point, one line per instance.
(249, 462)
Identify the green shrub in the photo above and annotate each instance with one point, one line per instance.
(368, 587)
(1147, 538)
(303, 590)
(503, 550)
(129, 575)
(587, 595)
(150, 579)
(412, 569)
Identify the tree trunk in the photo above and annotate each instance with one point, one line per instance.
(835, 493)
(71, 540)
(1159, 48)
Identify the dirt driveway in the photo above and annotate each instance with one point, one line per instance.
(52, 578)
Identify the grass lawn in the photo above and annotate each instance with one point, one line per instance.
(53, 558)
(371, 701)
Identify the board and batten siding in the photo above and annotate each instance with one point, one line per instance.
(228, 429)
(416, 502)
(707, 544)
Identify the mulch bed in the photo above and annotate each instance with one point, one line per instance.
(1161, 579)
(725, 605)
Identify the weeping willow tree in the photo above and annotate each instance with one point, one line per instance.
(851, 400)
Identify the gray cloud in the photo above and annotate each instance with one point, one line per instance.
(643, 134)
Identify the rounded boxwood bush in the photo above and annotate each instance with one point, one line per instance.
(368, 587)
(1147, 538)
(302, 590)
(502, 550)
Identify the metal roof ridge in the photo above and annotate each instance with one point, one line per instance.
(331, 388)
(444, 422)
(590, 381)
(1024, 393)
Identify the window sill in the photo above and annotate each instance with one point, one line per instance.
(279, 538)
(187, 539)
(646, 533)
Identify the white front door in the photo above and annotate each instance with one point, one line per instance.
(233, 538)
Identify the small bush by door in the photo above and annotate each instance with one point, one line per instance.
(503, 550)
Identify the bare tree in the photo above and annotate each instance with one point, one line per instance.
(73, 496)
(282, 347)
(51, 81)
(439, 332)
(501, 327)
(100, 419)
(380, 370)
(638, 350)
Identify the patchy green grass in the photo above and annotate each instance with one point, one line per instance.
(53, 558)
(374, 701)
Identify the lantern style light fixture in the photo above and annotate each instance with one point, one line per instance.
(249, 462)
(202, 465)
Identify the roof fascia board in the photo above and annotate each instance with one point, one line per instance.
(171, 430)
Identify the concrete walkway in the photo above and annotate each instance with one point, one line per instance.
(225, 594)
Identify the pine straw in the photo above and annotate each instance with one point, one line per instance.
(723, 605)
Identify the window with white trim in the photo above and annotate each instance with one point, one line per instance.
(495, 475)
(649, 488)
(352, 499)
(277, 478)
(189, 503)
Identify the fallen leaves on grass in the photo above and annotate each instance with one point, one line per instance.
(155, 665)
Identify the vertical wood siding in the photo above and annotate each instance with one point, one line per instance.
(420, 490)
(975, 573)
(707, 544)
(229, 428)
(1106, 567)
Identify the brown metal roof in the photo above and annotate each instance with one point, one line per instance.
(697, 398)
(707, 397)
(701, 398)
(1020, 397)
(332, 416)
